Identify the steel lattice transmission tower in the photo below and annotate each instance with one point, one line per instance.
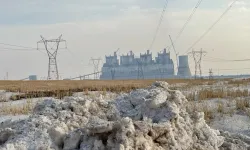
(140, 74)
(96, 63)
(211, 74)
(52, 54)
(198, 55)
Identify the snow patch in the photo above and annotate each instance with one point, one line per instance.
(154, 118)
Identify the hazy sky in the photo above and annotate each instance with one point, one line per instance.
(98, 27)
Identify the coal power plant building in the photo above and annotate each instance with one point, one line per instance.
(143, 67)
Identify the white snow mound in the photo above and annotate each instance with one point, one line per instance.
(154, 118)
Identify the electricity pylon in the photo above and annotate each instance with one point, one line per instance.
(96, 63)
(211, 74)
(52, 54)
(140, 74)
(198, 55)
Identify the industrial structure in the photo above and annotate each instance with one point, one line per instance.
(52, 54)
(183, 68)
(31, 78)
(96, 62)
(144, 67)
(197, 56)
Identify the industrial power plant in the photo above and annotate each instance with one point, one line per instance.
(144, 67)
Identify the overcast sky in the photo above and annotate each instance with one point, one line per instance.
(94, 28)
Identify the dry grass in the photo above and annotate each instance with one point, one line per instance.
(218, 93)
(62, 88)
(192, 108)
(220, 108)
(8, 109)
(92, 85)
(104, 92)
(208, 113)
(242, 104)
(86, 91)
(239, 82)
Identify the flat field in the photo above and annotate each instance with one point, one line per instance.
(91, 85)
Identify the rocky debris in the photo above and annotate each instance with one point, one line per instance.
(154, 118)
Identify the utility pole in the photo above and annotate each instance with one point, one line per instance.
(96, 63)
(211, 74)
(52, 54)
(198, 55)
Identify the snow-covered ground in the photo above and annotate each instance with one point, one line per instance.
(33, 101)
(21, 102)
(12, 118)
(237, 124)
(5, 96)
(151, 118)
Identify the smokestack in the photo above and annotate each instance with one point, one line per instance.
(114, 53)
(164, 51)
(147, 51)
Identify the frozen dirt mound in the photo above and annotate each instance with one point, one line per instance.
(154, 118)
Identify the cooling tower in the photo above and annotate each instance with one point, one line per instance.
(184, 70)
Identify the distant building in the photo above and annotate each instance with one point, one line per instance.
(130, 67)
(33, 77)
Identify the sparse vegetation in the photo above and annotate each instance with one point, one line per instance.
(220, 108)
(242, 104)
(104, 92)
(60, 89)
(239, 82)
(208, 113)
(92, 85)
(217, 93)
(86, 91)
(17, 109)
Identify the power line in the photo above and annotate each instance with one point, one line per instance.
(236, 69)
(226, 60)
(74, 56)
(211, 27)
(159, 24)
(17, 46)
(20, 50)
(176, 54)
(24, 48)
(188, 20)
(13, 49)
